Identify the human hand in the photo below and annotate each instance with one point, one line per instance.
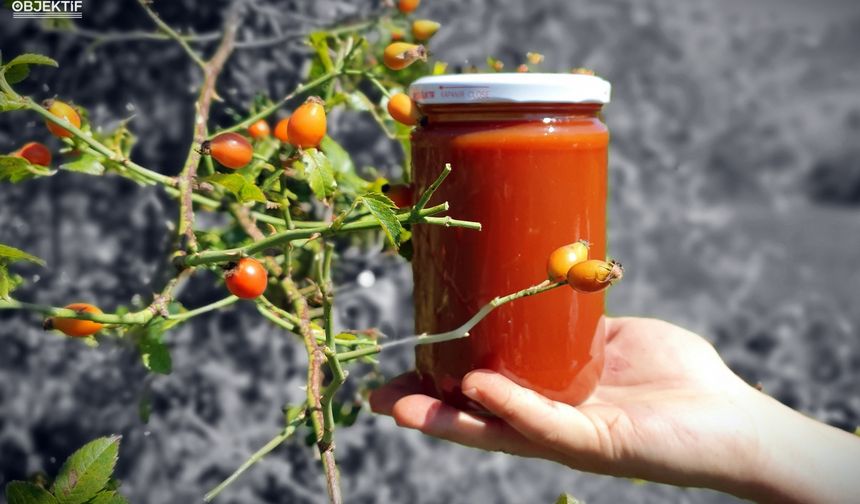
(666, 409)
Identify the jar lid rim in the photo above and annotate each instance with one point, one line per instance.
(510, 88)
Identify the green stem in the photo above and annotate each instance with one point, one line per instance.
(98, 146)
(373, 80)
(463, 330)
(227, 301)
(357, 354)
(338, 374)
(425, 197)
(170, 32)
(275, 318)
(216, 256)
(140, 317)
(257, 456)
(280, 103)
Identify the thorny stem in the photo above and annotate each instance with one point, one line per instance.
(170, 32)
(211, 70)
(338, 374)
(316, 357)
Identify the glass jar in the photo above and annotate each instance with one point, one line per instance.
(529, 156)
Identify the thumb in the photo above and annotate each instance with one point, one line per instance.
(553, 424)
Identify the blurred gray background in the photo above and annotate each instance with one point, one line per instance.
(735, 205)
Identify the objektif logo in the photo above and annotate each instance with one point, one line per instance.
(41, 9)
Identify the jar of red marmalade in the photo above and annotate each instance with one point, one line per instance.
(529, 155)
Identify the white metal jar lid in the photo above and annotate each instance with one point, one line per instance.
(510, 88)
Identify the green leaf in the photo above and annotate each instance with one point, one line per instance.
(6, 286)
(16, 169)
(12, 254)
(7, 103)
(17, 73)
(382, 210)
(24, 492)
(32, 59)
(110, 497)
(153, 351)
(566, 498)
(86, 471)
(319, 41)
(239, 186)
(340, 160)
(319, 173)
(86, 163)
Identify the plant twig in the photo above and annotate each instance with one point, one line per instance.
(338, 374)
(280, 103)
(463, 330)
(316, 357)
(273, 443)
(422, 216)
(227, 301)
(211, 70)
(425, 197)
(170, 32)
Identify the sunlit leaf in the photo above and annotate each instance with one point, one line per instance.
(13, 254)
(382, 210)
(24, 492)
(239, 186)
(86, 163)
(340, 160)
(31, 59)
(319, 173)
(86, 471)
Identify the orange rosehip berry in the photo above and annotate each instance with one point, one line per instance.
(307, 125)
(582, 71)
(563, 258)
(230, 149)
(403, 109)
(523, 68)
(247, 279)
(399, 55)
(35, 153)
(74, 327)
(259, 129)
(594, 275)
(407, 6)
(423, 29)
(282, 130)
(64, 111)
(397, 35)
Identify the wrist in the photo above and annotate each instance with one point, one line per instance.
(796, 458)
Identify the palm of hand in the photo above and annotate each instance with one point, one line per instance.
(666, 409)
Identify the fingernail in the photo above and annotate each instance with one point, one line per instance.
(471, 393)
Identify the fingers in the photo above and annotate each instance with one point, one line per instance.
(382, 399)
(432, 417)
(402, 399)
(554, 425)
